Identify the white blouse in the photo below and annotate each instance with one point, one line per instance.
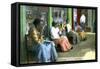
(83, 19)
(55, 33)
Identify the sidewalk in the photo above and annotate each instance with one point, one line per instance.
(85, 50)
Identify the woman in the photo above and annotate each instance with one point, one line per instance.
(59, 40)
(71, 34)
(83, 21)
(45, 49)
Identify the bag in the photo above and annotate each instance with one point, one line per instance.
(82, 35)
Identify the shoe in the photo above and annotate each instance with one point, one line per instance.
(71, 48)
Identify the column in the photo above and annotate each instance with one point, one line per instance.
(90, 22)
(70, 15)
(22, 34)
(50, 19)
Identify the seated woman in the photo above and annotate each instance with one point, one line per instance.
(80, 32)
(44, 49)
(71, 34)
(59, 40)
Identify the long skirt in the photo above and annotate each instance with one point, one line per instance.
(46, 52)
(63, 43)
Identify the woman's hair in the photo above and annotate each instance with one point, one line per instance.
(54, 23)
(36, 22)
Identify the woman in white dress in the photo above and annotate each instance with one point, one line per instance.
(62, 41)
